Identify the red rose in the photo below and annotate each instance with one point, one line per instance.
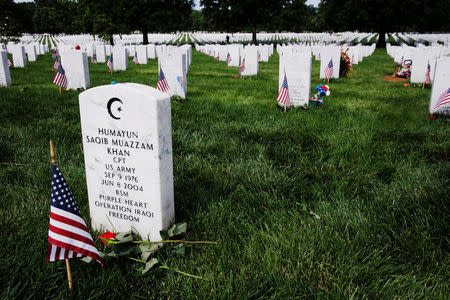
(235, 76)
(77, 47)
(106, 236)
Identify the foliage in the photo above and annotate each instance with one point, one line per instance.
(384, 16)
(345, 64)
(129, 245)
(253, 15)
(10, 21)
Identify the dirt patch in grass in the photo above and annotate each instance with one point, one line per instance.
(389, 78)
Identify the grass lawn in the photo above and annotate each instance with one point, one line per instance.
(345, 201)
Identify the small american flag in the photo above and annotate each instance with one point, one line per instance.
(135, 59)
(228, 58)
(9, 62)
(283, 95)
(443, 99)
(427, 74)
(60, 77)
(242, 66)
(162, 85)
(68, 235)
(56, 63)
(93, 60)
(329, 69)
(401, 61)
(109, 63)
(55, 53)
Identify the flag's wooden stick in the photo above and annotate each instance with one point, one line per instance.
(423, 85)
(53, 160)
(69, 274)
(59, 93)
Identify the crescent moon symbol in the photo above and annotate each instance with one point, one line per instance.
(110, 103)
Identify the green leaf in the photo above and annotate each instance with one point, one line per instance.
(86, 259)
(126, 252)
(150, 249)
(112, 254)
(149, 265)
(164, 234)
(126, 239)
(122, 235)
(180, 251)
(180, 228)
(171, 230)
(101, 254)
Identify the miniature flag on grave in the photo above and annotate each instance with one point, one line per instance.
(443, 99)
(93, 60)
(242, 67)
(427, 74)
(68, 235)
(109, 63)
(283, 95)
(60, 78)
(55, 53)
(56, 63)
(135, 59)
(162, 85)
(9, 62)
(329, 70)
(228, 60)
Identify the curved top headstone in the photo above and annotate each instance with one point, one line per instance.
(127, 141)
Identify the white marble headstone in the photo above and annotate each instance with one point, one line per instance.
(151, 51)
(441, 86)
(120, 58)
(127, 142)
(327, 53)
(141, 52)
(31, 52)
(298, 73)
(18, 56)
(5, 77)
(251, 61)
(100, 53)
(419, 66)
(173, 64)
(75, 65)
(233, 50)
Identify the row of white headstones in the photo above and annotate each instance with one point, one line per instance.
(438, 58)
(295, 62)
(173, 61)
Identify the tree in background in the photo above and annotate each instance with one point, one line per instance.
(13, 20)
(384, 16)
(254, 15)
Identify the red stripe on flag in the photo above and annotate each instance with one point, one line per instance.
(73, 248)
(71, 235)
(68, 221)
